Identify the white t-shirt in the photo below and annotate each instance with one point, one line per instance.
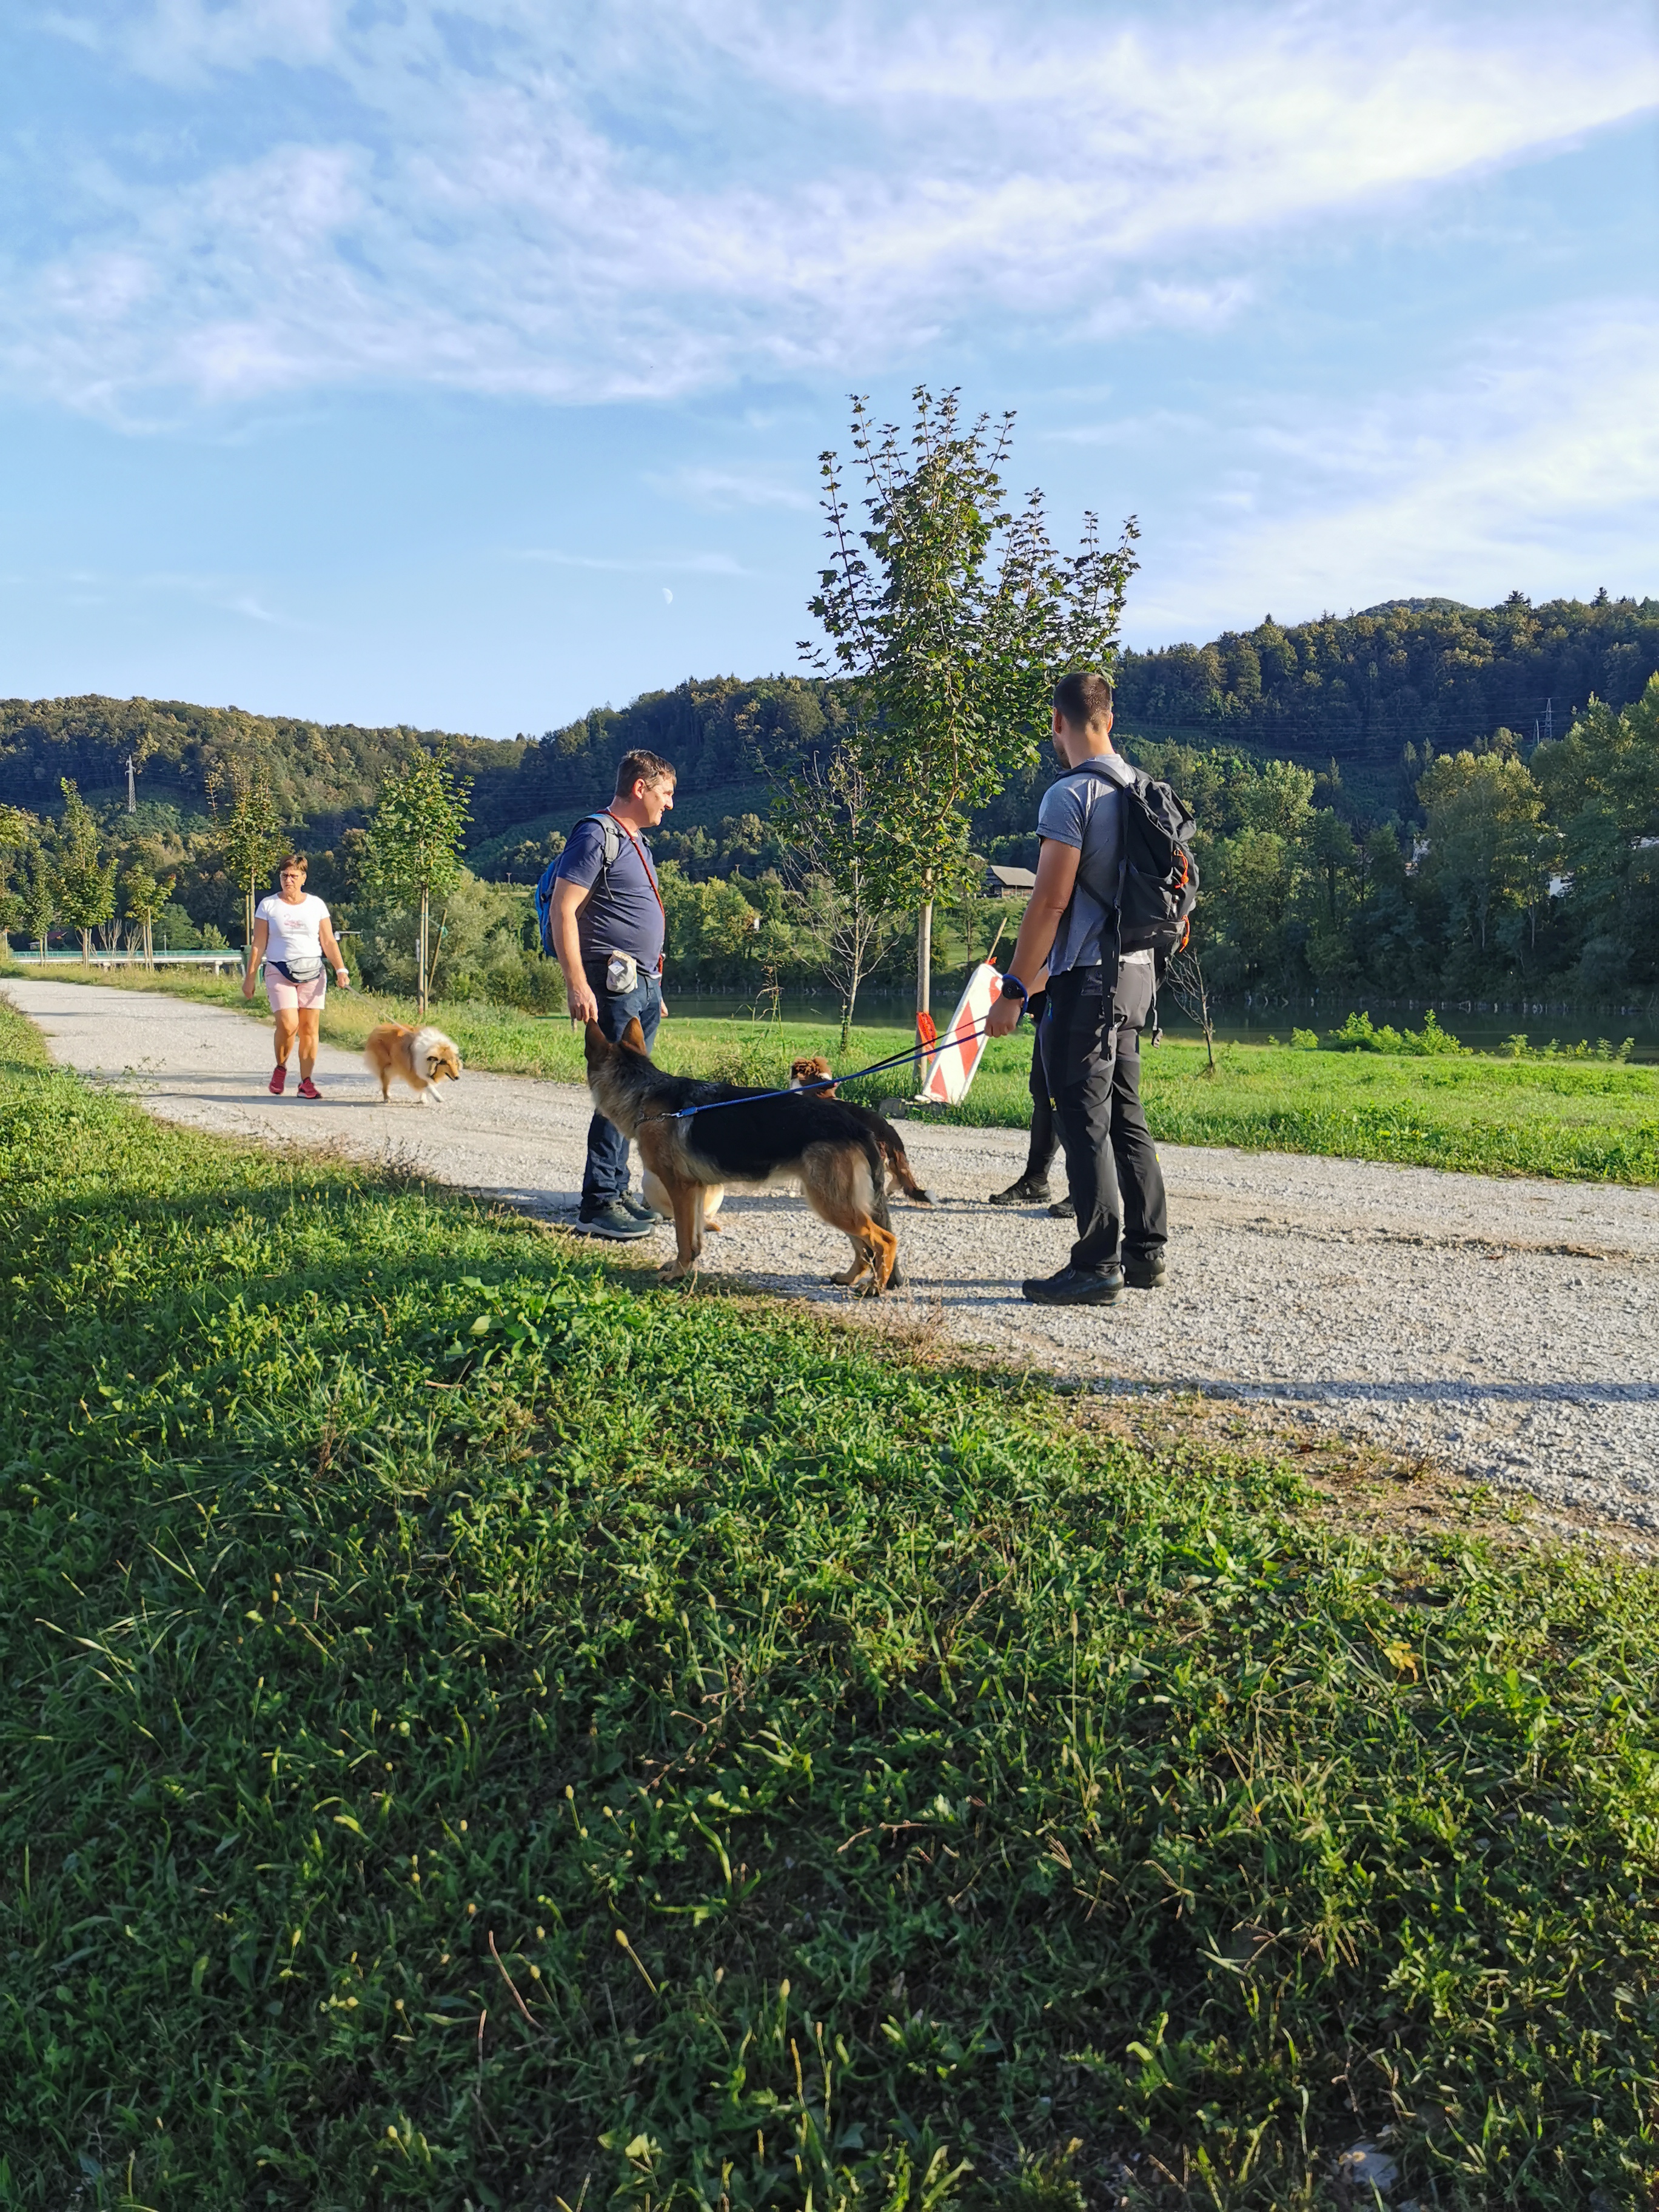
(293, 927)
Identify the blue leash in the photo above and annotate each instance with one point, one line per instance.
(828, 1082)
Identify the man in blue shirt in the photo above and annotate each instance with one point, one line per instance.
(608, 930)
(1098, 1004)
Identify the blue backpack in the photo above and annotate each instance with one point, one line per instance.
(611, 832)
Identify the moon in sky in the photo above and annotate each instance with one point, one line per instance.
(667, 597)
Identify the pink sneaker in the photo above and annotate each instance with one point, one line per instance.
(278, 1079)
(307, 1089)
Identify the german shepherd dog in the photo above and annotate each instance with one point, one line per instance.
(755, 1137)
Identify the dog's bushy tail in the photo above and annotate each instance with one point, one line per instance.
(903, 1175)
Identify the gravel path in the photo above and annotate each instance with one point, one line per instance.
(1505, 1328)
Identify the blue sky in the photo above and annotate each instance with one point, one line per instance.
(467, 365)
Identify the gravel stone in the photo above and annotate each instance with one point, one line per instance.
(1508, 1329)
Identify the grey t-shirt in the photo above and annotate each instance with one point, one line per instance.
(1084, 810)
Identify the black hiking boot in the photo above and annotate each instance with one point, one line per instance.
(1144, 1271)
(1076, 1286)
(1030, 1190)
(1063, 1209)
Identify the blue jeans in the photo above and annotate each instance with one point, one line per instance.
(604, 1178)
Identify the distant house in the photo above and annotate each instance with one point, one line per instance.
(1007, 883)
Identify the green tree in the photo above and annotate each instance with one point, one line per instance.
(39, 897)
(16, 829)
(84, 874)
(411, 851)
(1488, 847)
(249, 833)
(1600, 785)
(952, 615)
(143, 897)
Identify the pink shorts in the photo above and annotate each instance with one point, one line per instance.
(285, 998)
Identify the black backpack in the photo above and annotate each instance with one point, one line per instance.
(1157, 886)
(611, 831)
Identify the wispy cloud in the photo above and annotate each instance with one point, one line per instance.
(726, 488)
(1496, 477)
(667, 197)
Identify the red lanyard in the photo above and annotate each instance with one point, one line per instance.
(650, 876)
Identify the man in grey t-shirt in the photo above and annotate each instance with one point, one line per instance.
(1098, 1004)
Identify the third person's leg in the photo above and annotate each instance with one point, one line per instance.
(1031, 1188)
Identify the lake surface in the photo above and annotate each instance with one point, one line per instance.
(1479, 1023)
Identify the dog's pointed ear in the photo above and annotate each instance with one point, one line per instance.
(595, 1044)
(634, 1037)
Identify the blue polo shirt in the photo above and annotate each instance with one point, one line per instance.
(624, 913)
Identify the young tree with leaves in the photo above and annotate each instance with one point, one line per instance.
(954, 615)
(85, 876)
(249, 833)
(143, 897)
(410, 853)
(37, 899)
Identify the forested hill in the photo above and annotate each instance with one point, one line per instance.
(1422, 672)
(319, 771)
(1379, 692)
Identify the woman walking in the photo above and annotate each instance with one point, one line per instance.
(295, 937)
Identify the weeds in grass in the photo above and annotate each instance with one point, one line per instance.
(475, 1732)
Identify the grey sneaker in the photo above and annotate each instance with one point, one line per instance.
(640, 1209)
(613, 1220)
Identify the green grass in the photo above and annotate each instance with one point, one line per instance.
(1586, 1121)
(399, 1611)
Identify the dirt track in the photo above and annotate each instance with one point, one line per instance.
(1508, 1329)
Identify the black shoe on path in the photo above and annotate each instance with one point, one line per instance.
(1145, 1272)
(613, 1220)
(640, 1209)
(1028, 1191)
(1063, 1209)
(1076, 1286)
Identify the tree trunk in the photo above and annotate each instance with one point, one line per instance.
(924, 980)
(86, 948)
(420, 980)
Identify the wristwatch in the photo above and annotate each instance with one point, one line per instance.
(1013, 988)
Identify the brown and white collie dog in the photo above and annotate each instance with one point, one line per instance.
(424, 1057)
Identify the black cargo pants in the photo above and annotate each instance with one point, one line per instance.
(1091, 1052)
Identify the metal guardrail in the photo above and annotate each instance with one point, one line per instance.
(218, 960)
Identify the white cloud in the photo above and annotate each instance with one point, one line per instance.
(1523, 471)
(726, 488)
(661, 199)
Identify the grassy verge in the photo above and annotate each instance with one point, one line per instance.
(1587, 1121)
(476, 1731)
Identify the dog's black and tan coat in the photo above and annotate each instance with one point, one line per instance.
(836, 1155)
